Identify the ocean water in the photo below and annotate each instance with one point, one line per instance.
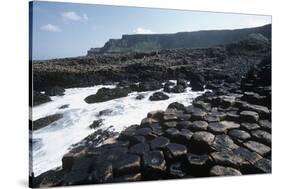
(52, 142)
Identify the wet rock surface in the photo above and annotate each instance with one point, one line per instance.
(225, 132)
(43, 122)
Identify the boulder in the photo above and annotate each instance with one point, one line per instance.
(105, 94)
(158, 96)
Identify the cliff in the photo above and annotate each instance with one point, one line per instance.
(197, 39)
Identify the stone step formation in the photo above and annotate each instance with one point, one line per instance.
(223, 133)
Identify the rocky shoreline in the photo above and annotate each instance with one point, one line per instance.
(224, 132)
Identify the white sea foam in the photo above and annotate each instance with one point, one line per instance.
(53, 141)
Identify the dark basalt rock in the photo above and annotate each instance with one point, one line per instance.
(126, 164)
(139, 97)
(105, 112)
(64, 106)
(263, 166)
(265, 124)
(239, 134)
(198, 126)
(112, 154)
(249, 116)
(96, 124)
(176, 106)
(128, 178)
(158, 96)
(39, 98)
(55, 91)
(262, 136)
(263, 111)
(224, 171)
(198, 164)
(176, 170)
(172, 133)
(76, 178)
(202, 105)
(232, 117)
(154, 164)
(198, 115)
(105, 94)
(175, 151)
(227, 158)
(159, 143)
(43, 122)
(102, 173)
(247, 155)
(250, 126)
(177, 89)
(222, 127)
(182, 82)
(257, 147)
(201, 142)
(184, 124)
(149, 86)
(156, 115)
(170, 124)
(223, 143)
(139, 149)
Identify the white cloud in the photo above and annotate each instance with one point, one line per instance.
(50, 28)
(73, 16)
(141, 30)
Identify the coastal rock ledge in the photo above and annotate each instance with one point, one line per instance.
(224, 132)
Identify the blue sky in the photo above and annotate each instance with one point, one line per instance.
(69, 29)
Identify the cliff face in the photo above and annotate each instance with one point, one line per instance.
(198, 39)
